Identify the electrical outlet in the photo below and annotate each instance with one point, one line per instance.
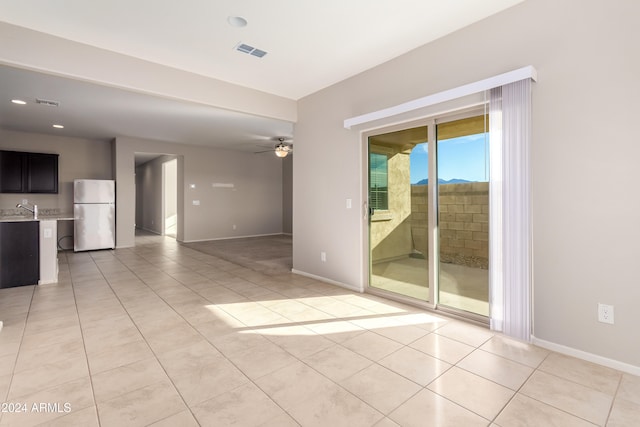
(605, 313)
(323, 256)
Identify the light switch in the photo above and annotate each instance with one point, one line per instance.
(196, 203)
(348, 203)
(48, 233)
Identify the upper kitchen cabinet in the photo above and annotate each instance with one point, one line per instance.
(42, 172)
(22, 172)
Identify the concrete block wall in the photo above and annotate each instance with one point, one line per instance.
(463, 222)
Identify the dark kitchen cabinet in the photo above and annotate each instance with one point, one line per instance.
(13, 171)
(42, 173)
(19, 253)
(28, 172)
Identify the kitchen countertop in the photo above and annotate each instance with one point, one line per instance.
(22, 218)
(44, 214)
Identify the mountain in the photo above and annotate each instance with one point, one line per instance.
(442, 181)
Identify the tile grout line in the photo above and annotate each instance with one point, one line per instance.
(143, 336)
(537, 369)
(24, 332)
(224, 355)
(252, 380)
(199, 333)
(517, 392)
(300, 360)
(15, 361)
(84, 345)
(455, 365)
(615, 397)
(183, 264)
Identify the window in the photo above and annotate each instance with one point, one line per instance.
(378, 182)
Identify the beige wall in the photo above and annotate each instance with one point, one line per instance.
(287, 194)
(79, 159)
(584, 136)
(253, 204)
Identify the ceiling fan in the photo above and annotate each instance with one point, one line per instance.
(282, 148)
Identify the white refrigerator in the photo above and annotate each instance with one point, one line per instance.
(94, 214)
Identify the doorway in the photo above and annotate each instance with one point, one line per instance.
(156, 193)
(170, 198)
(397, 233)
(428, 213)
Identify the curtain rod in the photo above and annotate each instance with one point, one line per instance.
(528, 72)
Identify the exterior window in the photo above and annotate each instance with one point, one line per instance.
(378, 182)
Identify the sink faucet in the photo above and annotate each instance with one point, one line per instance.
(34, 211)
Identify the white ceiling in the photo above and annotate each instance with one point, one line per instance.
(99, 112)
(310, 45)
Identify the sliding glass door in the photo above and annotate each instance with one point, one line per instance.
(398, 212)
(429, 238)
(463, 220)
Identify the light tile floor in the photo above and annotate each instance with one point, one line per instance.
(164, 335)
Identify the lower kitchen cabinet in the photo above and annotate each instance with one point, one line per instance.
(19, 253)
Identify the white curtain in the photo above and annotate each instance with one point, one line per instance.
(510, 214)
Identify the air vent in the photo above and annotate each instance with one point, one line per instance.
(48, 103)
(245, 48)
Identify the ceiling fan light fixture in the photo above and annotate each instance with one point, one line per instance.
(281, 151)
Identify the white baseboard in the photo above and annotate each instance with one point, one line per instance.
(589, 357)
(324, 279)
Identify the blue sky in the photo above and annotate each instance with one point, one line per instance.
(461, 158)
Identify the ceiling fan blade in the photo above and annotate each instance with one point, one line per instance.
(281, 149)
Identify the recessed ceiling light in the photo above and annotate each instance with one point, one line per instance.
(58, 126)
(18, 101)
(237, 21)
